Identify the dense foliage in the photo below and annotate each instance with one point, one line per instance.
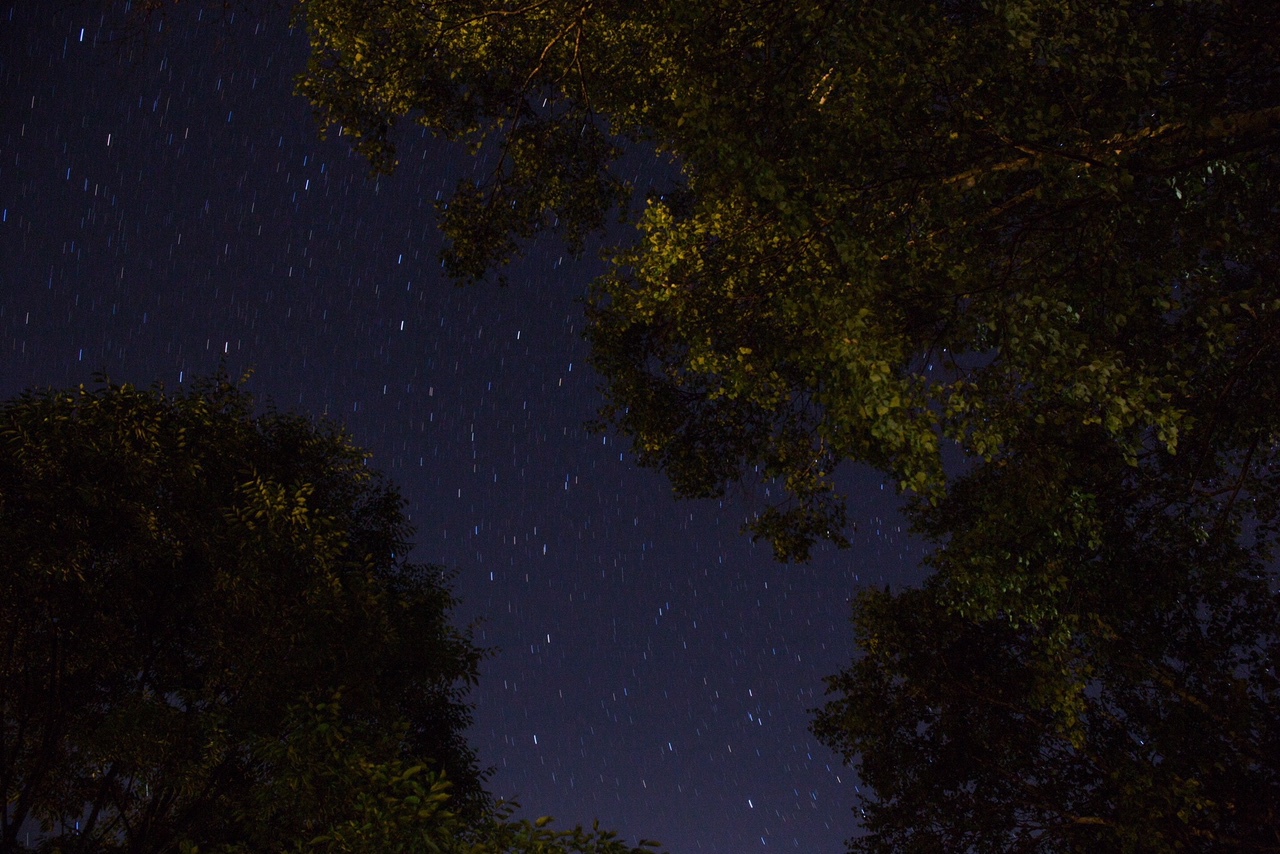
(1042, 233)
(1121, 697)
(898, 223)
(177, 574)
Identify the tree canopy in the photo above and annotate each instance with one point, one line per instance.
(177, 573)
(1121, 696)
(211, 639)
(897, 224)
(1040, 233)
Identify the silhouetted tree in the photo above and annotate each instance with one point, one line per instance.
(177, 573)
(1092, 667)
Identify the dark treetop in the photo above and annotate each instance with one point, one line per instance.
(178, 575)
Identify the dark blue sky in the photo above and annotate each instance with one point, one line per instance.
(167, 204)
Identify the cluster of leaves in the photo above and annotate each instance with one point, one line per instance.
(470, 72)
(177, 573)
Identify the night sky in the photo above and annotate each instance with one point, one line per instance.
(168, 206)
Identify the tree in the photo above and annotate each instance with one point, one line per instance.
(177, 575)
(1093, 664)
(1039, 232)
(897, 224)
(1124, 697)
